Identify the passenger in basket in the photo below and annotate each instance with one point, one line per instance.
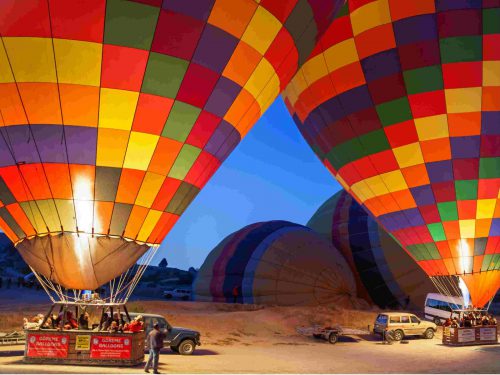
(113, 328)
(479, 319)
(136, 325)
(106, 322)
(55, 320)
(33, 323)
(48, 324)
(71, 322)
(83, 321)
(117, 319)
(492, 320)
(485, 320)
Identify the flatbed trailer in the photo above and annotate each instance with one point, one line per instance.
(330, 334)
(12, 338)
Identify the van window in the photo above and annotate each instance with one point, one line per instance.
(395, 319)
(442, 305)
(405, 319)
(382, 319)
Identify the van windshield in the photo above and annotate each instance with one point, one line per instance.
(382, 319)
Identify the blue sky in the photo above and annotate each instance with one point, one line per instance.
(272, 174)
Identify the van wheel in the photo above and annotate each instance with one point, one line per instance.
(429, 333)
(398, 335)
(187, 347)
(437, 321)
(175, 349)
(332, 339)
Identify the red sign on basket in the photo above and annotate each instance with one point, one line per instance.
(46, 345)
(110, 347)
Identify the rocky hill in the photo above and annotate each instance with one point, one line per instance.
(11, 263)
(154, 280)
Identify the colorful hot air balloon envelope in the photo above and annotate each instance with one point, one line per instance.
(401, 101)
(114, 114)
(385, 274)
(276, 263)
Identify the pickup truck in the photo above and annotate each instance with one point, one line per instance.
(180, 340)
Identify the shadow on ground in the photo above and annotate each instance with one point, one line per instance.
(12, 353)
(197, 352)
(492, 349)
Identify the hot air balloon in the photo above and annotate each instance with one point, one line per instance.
(276, 263)
(400, 100)
(384, 273)
(114, 114)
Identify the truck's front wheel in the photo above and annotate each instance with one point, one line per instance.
(186, 347)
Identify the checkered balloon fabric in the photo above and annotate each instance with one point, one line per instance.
(114, 114)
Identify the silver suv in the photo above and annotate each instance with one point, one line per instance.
(403, 324)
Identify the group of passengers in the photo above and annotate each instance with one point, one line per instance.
(108, 323)
(117, 324)
(472, 319)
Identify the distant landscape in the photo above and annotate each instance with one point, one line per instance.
(155, 280)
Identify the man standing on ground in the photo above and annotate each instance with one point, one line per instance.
(236, 293)
(155, 342)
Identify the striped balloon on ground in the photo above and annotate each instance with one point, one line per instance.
(385, 274)
(276, 263)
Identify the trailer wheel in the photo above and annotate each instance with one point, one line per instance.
(332, 339)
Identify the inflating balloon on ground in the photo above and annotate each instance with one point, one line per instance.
(276, 263)
(385, 274)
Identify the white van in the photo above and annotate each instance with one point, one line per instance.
(179, 293)
(438, 307)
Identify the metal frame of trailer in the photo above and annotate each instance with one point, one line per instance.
(330, 334)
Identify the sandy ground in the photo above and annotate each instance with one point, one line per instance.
(252, 339)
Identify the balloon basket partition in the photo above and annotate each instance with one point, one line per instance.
(89, 346)
(462, 336)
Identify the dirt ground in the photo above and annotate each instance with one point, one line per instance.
(253, 339)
